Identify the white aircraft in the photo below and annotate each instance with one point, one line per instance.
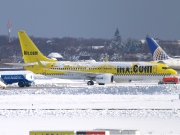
(160, 55)
(101, 72)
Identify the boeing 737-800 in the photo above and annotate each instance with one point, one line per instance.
(160, 55)
(101, 72)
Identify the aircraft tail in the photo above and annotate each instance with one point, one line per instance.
(29, 50)
(157, 52)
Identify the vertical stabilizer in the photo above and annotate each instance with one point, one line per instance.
(29, 50)
(157, 52)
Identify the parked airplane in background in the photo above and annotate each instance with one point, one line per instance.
(101, 72)
(160, 55)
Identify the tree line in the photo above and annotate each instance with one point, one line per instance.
(70, 48)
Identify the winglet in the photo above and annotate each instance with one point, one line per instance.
(40, 64)
(106, 59)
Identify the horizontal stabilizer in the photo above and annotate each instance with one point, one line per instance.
(20, 64)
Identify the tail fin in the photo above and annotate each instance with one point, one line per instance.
(157, 52)
(106, 59)
(29, 50)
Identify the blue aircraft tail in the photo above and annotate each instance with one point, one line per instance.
(157, 52)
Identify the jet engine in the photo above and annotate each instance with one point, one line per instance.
(104, 78)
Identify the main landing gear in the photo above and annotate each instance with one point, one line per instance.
(90, 83)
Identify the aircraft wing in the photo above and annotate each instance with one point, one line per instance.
(84, 73)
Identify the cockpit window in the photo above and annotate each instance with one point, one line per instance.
(165, 67)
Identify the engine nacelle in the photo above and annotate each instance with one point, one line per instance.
(104, 78)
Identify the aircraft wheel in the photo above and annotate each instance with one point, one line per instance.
(101, 83)
(90, 83)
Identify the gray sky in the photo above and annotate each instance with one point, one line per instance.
(92, 18)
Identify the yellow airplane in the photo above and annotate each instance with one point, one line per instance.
(101, 72)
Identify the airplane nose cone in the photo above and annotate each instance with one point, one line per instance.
(174, 72)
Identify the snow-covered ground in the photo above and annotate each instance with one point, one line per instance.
(54, 104)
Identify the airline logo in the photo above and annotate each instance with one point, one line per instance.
(12, 77)
(30, 53)
(136, 69)
(159, 54)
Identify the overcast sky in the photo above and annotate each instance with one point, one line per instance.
(92, 18)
